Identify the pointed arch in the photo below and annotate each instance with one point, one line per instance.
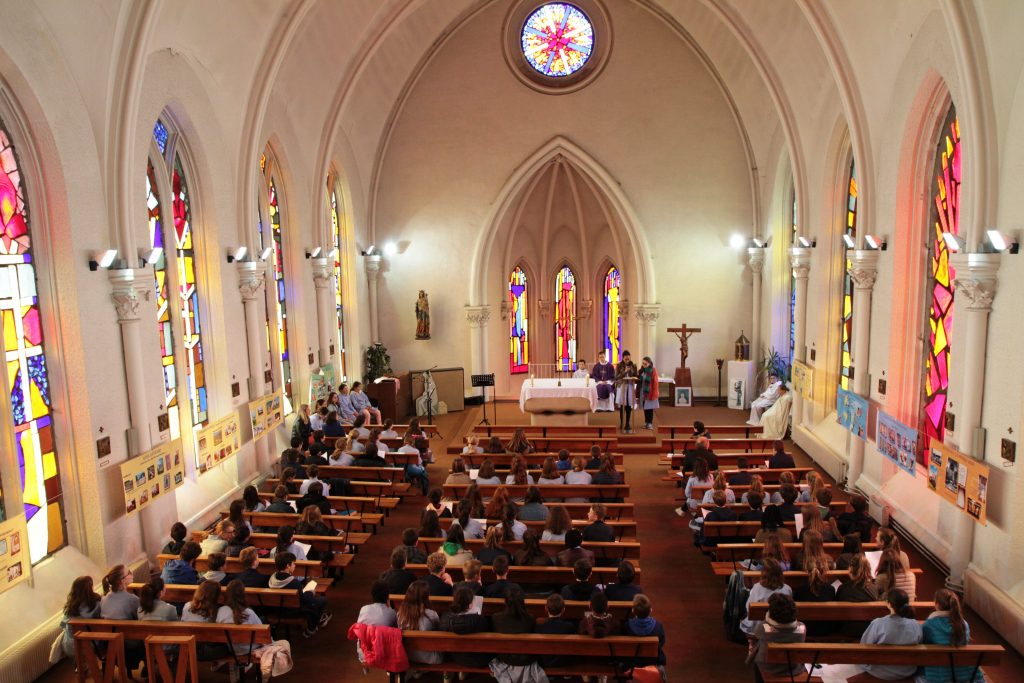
(566, 315)
(518, 303)
(611, 313)
(846, 369)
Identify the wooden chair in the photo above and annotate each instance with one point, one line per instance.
(108, 669)
(158, 666)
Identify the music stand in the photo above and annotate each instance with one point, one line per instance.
(484, 381)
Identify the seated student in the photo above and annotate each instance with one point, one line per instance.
(280, 503)
(317, 416)
(756, 511)
(893, 574)
(362, 405)
(573, 550)
(888, 540)
(344, 451)
(702, 449)
(641, 623)
(740, 477)
(550, 475)
(302, 428)
(454, 547)
(182, 570)
(376, 613)
(756, 486)
(312, 523)
(771, 523)
(788, 509)
(594, 460)
(430, 527)
(236, 515)
(858, 587)
(597, 622)
(235, 611)
(397, 577)
(315, 498)
(514, 619)
(813, 522)
(215, 568)
(780, 460)
(555, 625)
(461, 621)
(781, 626)
(250, 576)
(558, 523)
(293, 460)
(317, 445)
(82, 602)
(120, 603)
(578, 476)
(151, 603)
(332, 427)
(472, 445)
(312, 477)
(719, 484)
(824, 501)
(770, 583)
(251, 500)
(700, 478)
(510, 526)
(370, 457)
(360, 428)
(774, 549)
(531, 555)
(311, 605)
(318, 458)
(623, 589)
(580, 588)
(471, 527)
(518, 475)
(519, 443)
(374, 438)
(458, 475)
(947, 626)
(533, 508)
(413, 553)
(178, 534)
(818, 587)
(598, 530)
(389, 430)
(471, 578)
(493, 547)
(286, 543)
(486, 475)
(607, 475)
(218, 539)
(415, 614)
(501, 583)
(436, 504)
(438, 580)
(851, 546)
(857, 521)
(720, 512)
(494, 446)
(564, 462)
(900, 627)
(700, 430)
(202, 608)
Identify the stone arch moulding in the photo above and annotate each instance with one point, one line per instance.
(616, 204)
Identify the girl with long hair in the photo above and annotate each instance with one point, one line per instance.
(776, 550)
(494, 446)
(947, 626)
(286, 543)
(851, 546)
(499, 501)
(235, 611)
(888, 540)
(458, 475)
(549, 473)
(720, 483)
(648, 391)
(492, 547)
(151, 603)
(251, 500)
(756, 486)
(892, 574)
(519, 443)
(557, 525)
(771, 582)
(900, 627)
(486, 474)
(471, 527)
(82, 602)
(517, 473)
(203, 605)
(454, 549)
(415, 614)
(773, 525)
(430, 526)
(578, 476)
(514, 619)
(531, 554)
(511, 528)
(700, 478)
(476, 502)
(813, 522)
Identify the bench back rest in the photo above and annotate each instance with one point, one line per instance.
(909, 655)
(204, 633)
(619, 647)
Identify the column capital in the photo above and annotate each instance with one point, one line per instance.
(864, 268)
(126, 294)
(976, 278)
(800, 260)
(647, 314)
(478, 316)
(321, 272)
(251, 275)
(757, 258)
(372, 263)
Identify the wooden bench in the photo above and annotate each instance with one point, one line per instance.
(793, 578)
(739, 529)
(618, 550)
(372, 489)
(303, 568)
(724, 459)
(529, 575)
(746, 445)
(840, 611)
(534, 460)
(506, 431)
(767, 475)
(547, 491)
(623, 528)
(736, 552)
(974, 656)
(594, 656)
(738, 490)
(342, 523)
(553, 444)
(837, 506)
(332, 544)
(352, 504)
(613, 511)
(686, 431)
(537, 607)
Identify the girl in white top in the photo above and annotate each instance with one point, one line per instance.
(576, 476)
(720, 484)
(701, 477)
(771, 583)
(388, 432)
(203, 605)
(286, 544)
(340, 457)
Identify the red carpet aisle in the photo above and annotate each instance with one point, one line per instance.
(686, 595)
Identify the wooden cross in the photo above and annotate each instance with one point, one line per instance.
(683, 332)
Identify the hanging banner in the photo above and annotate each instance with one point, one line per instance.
(897, 442)
(803, 379)
(265, 413)
(152, 474)
(321, 384)
(852, 411)
(960, 479)
(218, 441)
(14, 562)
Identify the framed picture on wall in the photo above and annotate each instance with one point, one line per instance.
(684, 397)
(737, 394)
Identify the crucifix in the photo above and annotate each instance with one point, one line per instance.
(682, 372)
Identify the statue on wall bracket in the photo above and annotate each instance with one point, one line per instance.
(422, 316)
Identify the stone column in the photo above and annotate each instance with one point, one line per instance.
(800, 258)
(478, 317)
(251, 276)
(372, 273)
(975, 289)
(863, 271)
(127, 298)
(757, 259)
(326, 314)
(647, 316)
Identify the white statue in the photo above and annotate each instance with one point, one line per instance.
(430, 394)
(765, 401)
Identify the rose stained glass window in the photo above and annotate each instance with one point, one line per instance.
(846, 333)
(557, 39)
(565, 319)
(163, 303)
(518, 323)
(280, 305)
(612, 319)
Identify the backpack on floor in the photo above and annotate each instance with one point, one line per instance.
(734, 609)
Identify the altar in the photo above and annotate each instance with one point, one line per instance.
(558, 401)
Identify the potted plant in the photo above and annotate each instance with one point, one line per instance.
(772, 363)
(378, 363)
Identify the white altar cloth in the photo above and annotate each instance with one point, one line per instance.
(549, 388)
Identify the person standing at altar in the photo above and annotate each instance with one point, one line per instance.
(625, 391)
(648, 391)
(604, 375)
(765, 401)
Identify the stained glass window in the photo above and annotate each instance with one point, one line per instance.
(945, 217)
(336, 241)
(565, 319)
(160, 135)
(26, 364)
(846, 333)
(518, 323)
(557, 39)
(280, 306)
(163, 302)
(612, 318)
(792, 281)
(188, 296)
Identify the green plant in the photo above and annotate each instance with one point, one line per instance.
(772, 363)
(378, 362)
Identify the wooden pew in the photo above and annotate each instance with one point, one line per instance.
(537, 607)
(839, 611)
(529, 576)
(592, 656)
(303, 568)
(357, 504)
(553, 444)
(332, 544)
(533, 460)
(506, 431)
(767, 475)
(727, 460)
(793, 578)
(614, 511)
(549, 492)
(746, 445)
(736, 552)
(342, 523)
(625, 528)
(854, 653)
(686, 431)
(837, 506)
(618, 550)
(697, 492)
(381, 490)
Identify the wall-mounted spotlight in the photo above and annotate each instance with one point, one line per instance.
(875, 242)
(758, 243)
(390, 249)
(237, 254)
(1002, 241)
(737, 241)
(150, 257)
(102, 259)
(314, 252)
(806, 242)
(954, 242)
(333, 253)
(849, 241)
(371, 250)
(265, 254)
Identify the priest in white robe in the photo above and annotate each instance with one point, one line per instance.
(775, 420)
(765, 401)
(581, 370)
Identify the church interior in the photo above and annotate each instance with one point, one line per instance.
(600, 221)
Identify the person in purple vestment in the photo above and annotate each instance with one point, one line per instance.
(603, 373)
